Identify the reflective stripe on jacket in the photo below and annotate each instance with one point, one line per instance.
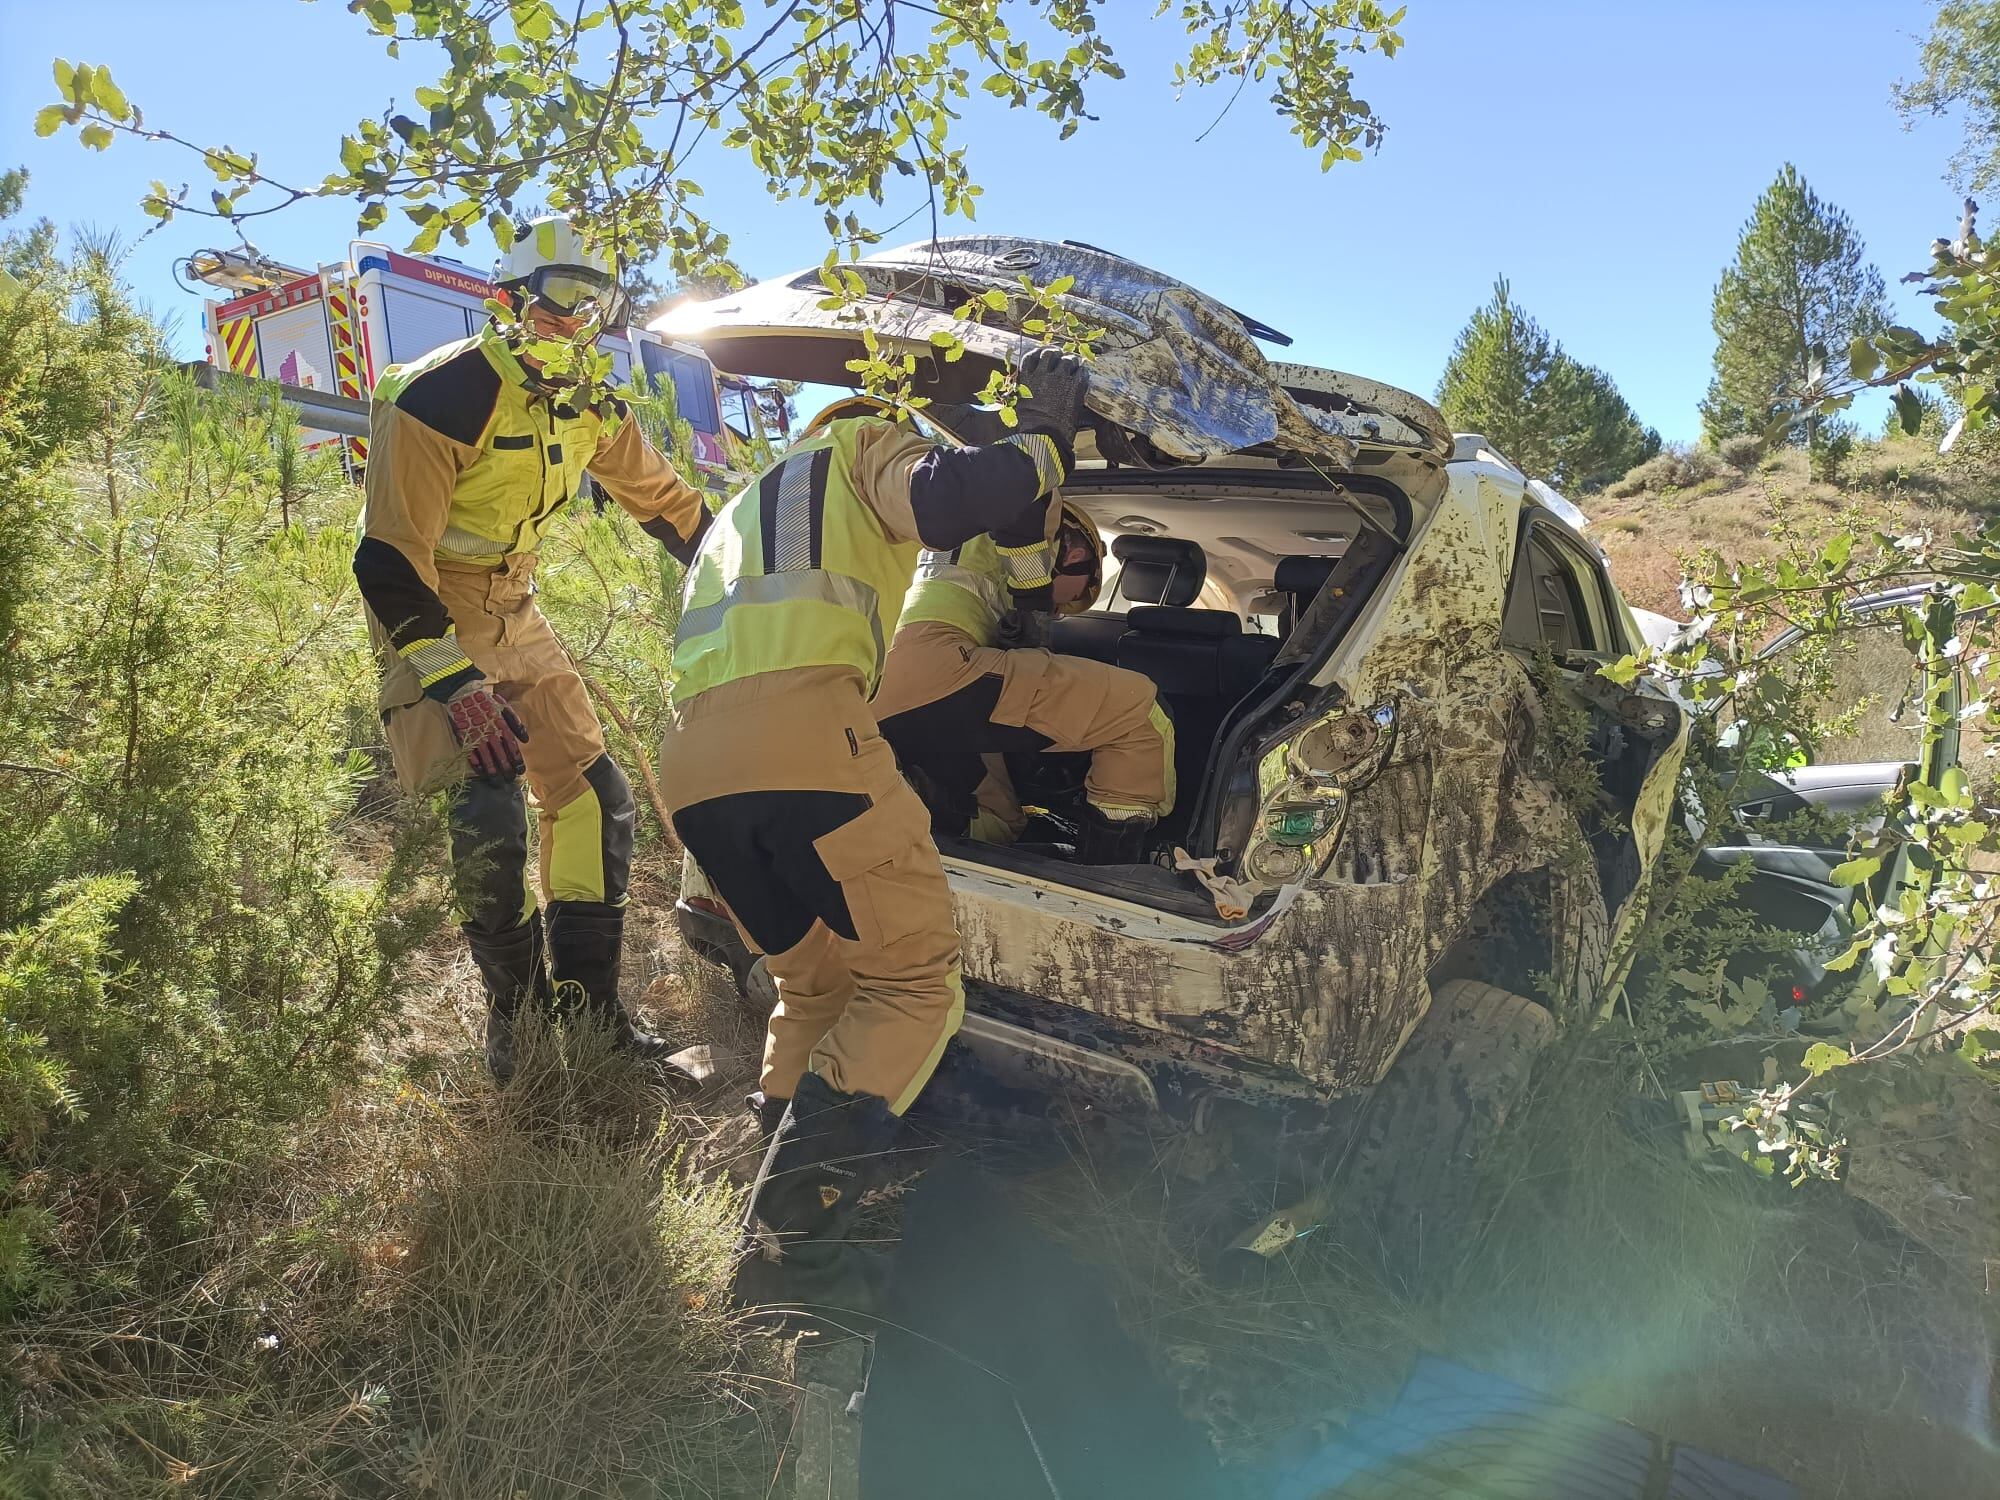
(798, 571)
(965, 589)
(469, 461)
(808, 566)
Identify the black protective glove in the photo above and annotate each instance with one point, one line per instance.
(1051, 400)
(1022, 630)
(973, 426)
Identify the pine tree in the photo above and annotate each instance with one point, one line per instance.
(1800, 291)
(1558, 419)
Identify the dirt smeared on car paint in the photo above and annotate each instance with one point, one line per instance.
(1337, 980)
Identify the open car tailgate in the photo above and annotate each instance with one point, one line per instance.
(1174, 368)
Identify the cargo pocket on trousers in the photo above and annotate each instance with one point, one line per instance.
(877, 861)
(418, 729)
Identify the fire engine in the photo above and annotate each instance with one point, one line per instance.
(333, 331)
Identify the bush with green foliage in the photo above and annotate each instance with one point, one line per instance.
(1742, 451)
(190, 961)
(1678, 467)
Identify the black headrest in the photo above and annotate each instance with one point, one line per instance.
(1160, 569)
(1303, 575)
(1205, 624)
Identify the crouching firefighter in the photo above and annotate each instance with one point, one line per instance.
(788, 797)
(471, 454)
(953, 698)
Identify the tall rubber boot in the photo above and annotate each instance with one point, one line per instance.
(829, 1149)
(586, 942)
(1112, 841)
(513, 968)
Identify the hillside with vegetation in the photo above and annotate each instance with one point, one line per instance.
(1757, 504)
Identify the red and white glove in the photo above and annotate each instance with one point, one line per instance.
(490, 733)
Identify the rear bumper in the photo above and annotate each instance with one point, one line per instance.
(1014, 1055)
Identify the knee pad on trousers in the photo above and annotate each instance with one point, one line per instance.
(489, 855)
(619, 818)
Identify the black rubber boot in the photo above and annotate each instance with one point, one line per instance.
(512, 966)
(586, 942)
(828, 1150)
(1112, 841)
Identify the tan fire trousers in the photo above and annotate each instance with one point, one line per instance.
(578, 790)
(789, 799)
(1076, 704)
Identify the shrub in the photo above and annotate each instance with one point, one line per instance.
(187, 966)
(1742, 451)
(1675, 468)
(1829, 450)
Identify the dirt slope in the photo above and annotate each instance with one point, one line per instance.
(1894, 487)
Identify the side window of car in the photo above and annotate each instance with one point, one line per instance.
(1556, 600)
(1860, 685)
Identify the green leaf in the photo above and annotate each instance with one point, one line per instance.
(49, 119)
(1625, 671)
(1909, 410)
(1837, 551)
(1856, 871)
(995, 299)
(97, 137)
(109, 97)
(1824, 1057)
(65, 78)
(1864, 359)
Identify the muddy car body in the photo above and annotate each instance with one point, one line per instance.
(1365, 633)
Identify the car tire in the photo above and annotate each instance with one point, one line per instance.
(1580, 931)
(1412, 1172)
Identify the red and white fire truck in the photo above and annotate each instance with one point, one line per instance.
(336, 329)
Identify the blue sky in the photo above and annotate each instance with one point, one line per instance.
(1602, 156)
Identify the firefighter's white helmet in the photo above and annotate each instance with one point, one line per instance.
(549, 259)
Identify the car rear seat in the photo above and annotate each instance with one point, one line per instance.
(1155, 571)
(1200, 659)
(1300, 579)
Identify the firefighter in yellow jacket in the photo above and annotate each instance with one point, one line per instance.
(953, 697)
(471, 454)
(788, 797)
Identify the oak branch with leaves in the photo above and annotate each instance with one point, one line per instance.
(611, 110)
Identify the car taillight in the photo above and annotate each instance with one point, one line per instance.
(1308, 781)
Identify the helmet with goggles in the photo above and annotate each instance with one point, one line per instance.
(549, 263)
(1079, 552)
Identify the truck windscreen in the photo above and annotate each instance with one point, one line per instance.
(694, 385)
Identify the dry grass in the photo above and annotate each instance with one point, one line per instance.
(562, 1324)
(440, 1292)
(1744, 1319)
(452, 1294)
(1653, 532)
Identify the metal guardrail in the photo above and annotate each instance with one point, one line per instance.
(322, 410)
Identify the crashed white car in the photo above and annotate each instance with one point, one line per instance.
(1371, 855)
